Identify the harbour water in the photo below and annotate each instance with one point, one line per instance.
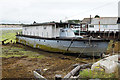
(6, 28)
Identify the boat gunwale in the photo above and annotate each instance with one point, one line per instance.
(66, 39)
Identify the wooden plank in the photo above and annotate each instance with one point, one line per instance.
(38, 76)
(75, 70)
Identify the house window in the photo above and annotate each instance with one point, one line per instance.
(36, 27)
(83, 26)
(25, 29)
(91, 26)
(104, 26)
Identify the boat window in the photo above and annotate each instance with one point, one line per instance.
(62, 30)
(44, 27)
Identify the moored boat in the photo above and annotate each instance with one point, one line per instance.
(58, 37)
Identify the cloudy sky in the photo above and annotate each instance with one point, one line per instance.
(27, 11)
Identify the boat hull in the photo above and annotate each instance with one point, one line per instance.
(84, 47)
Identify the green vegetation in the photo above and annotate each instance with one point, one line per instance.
(95, 74)
(74, 21)
(97, 16)
(116, 48)
(9, 35)
(43, 47)
(16, 51)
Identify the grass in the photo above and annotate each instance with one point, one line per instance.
(116, 48)
(95, 74)
(9, 34)
(13, 51)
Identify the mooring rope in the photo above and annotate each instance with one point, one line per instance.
(70, 44)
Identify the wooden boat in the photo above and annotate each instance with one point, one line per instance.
(58, 37)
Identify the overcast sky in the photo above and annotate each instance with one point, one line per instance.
(27, 11)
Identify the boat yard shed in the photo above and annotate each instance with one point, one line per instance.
(104, 24)
(105, 21)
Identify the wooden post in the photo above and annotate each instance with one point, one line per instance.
(109, 34)
(119, 34)
(81, 27)
(99, 26)
(87, 27)
(90, 19)
(79, 30)
(104, 33)
(114, 33)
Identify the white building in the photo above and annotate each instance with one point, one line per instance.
(104, 24)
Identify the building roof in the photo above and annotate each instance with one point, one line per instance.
(86, 20)
(105, 20)
(57, 24)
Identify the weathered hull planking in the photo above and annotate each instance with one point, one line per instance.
(87, 47)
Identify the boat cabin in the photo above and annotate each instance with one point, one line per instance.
(49, 30)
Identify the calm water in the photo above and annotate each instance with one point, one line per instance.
(11, 28)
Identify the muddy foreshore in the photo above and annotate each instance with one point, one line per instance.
(20, 64)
